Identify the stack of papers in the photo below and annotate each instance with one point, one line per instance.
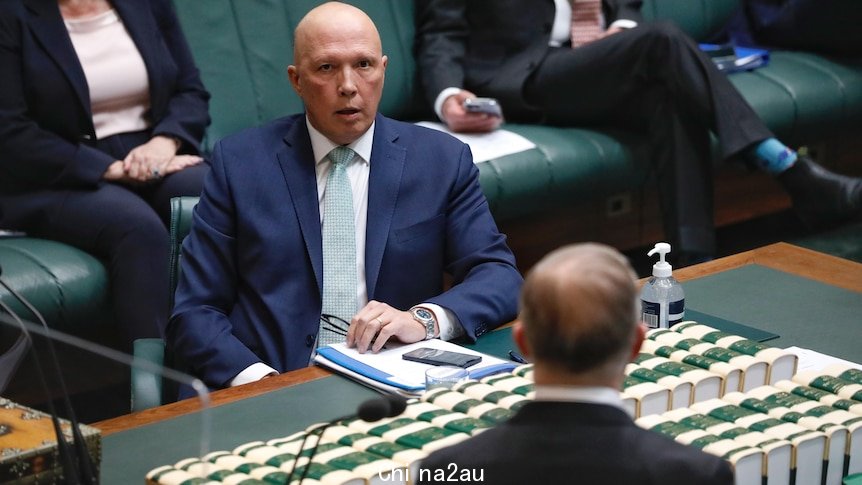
(389, 372)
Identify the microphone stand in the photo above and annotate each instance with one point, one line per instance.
(12, 358)
(70, 469)
(82, 454)
(370, 411)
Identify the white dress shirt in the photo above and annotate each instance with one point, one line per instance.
(358, 171)
(583, 394)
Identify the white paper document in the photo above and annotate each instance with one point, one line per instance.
(387, 370)
(810, 360)
(487, 146)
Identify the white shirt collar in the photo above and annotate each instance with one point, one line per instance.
(592, 395)
(321, 146)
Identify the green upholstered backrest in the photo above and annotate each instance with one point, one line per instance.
(698, 18)
(146, 386)
(182, 209)
(243, 48)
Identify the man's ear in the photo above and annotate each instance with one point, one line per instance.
(521, 340)
(640, 334)
(293, 76)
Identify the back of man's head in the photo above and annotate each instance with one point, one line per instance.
(579, 309)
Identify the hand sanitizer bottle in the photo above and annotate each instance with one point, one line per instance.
(662, 297)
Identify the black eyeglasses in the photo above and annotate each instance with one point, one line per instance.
(335, 324)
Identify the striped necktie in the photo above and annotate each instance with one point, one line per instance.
(339, 246)
(586, 21)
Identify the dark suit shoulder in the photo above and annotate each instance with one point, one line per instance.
(269, 132)
(11, 9)
(669, 461)
(597, 445)
(423, 134)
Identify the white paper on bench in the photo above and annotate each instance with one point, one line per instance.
(487, 146)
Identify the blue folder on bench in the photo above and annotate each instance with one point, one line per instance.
(729, 58)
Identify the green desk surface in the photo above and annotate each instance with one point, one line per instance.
(801, 311)
(128, 456)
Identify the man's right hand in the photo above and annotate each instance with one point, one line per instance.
(461, 121)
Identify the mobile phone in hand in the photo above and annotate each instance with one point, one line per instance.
(488, 106)
(431, 356)
(6, 233)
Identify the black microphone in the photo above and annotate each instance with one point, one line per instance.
(82, 458)
(371, 410)
(378, 408)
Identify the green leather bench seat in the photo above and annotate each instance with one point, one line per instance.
(243, 47)
(568, 165)
(68, 286)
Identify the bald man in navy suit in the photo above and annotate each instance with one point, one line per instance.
(251, 297)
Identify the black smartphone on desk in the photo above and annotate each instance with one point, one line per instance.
(431, 356)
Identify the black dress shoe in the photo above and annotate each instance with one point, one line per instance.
(819, 196)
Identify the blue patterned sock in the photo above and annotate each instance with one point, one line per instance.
(773, 157)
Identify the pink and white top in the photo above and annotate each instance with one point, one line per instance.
(115, 72)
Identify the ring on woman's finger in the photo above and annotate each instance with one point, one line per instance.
(156, 173)
(380, 321)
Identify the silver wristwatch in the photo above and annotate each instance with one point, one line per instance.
(426, 318)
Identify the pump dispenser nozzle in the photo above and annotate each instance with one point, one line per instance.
(662, 269)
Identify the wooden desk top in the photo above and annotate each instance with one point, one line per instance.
(791, 259)
(781, 256)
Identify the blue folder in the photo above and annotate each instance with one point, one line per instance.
(736, 58)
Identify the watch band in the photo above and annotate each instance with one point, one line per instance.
(426, 318)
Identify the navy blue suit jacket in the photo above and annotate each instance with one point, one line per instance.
(46, 125)
(252, 265)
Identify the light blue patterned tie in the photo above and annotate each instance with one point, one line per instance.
(339, 246)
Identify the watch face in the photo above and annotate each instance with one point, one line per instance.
(423, 314)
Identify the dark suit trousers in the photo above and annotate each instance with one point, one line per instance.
(124, 226)
(654, 79)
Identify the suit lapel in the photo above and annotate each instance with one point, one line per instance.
(384, 182)
(48, 27)
(297, 164)
(142, 28)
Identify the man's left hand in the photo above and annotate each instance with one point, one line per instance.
(377, 322)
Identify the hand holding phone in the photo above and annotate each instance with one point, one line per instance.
(431, 356)
(488, 106)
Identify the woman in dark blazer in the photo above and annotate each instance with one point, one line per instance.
(102, 112)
